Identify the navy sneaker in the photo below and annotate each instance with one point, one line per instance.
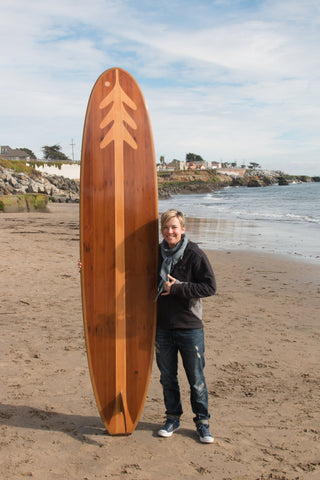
(203, 431)
(169, 427)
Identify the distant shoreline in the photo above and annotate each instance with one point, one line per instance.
(186, 182)
(62, 184)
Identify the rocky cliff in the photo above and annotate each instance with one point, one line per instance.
(203, 181)
(58, 189)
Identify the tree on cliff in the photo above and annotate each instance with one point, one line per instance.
(253, 166)
(29, 152)
(54, 153)
(192, 157)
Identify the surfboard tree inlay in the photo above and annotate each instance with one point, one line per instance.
(119, 115)
(118, 236)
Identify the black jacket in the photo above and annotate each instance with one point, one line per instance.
(195, 279)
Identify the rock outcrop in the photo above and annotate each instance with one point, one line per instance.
(28, 202)
(58, 189)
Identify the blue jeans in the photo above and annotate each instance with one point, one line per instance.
(190, 344)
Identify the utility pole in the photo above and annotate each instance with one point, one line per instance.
(72, 144)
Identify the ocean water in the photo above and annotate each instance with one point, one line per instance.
(276, 219)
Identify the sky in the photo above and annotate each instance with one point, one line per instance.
(229, 80)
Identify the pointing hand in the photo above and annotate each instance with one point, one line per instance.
(167, 285)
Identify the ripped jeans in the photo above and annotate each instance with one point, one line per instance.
(190, 344)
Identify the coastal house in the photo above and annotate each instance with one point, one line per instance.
(196, 165)
(9, 153)
(202, 165)
(178, 165)
(174, 165)
(164, 167)
(216, 165)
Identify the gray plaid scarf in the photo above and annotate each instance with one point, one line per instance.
(171, 257)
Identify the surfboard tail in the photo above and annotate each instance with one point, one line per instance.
(121, 422)
(128, 423)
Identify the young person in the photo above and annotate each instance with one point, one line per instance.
(185, 276)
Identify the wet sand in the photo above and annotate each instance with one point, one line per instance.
(262, 369)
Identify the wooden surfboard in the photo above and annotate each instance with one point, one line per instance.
(119, 238)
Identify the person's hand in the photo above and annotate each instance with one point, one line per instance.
(167, 285)
(79, 265)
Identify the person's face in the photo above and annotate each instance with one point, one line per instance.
(172, 232)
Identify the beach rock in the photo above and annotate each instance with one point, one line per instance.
(261, 178)
(283, 181)
(23, 203)
(239, 182)
(254, 182)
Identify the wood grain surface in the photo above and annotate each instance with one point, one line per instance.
(119, 238)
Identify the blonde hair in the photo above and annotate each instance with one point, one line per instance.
(166, 216)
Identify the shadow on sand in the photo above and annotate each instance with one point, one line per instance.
(79, 427)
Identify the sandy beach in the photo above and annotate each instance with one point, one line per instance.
(262, 368)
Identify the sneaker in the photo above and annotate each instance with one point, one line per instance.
(203, 431)
(168, 428)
